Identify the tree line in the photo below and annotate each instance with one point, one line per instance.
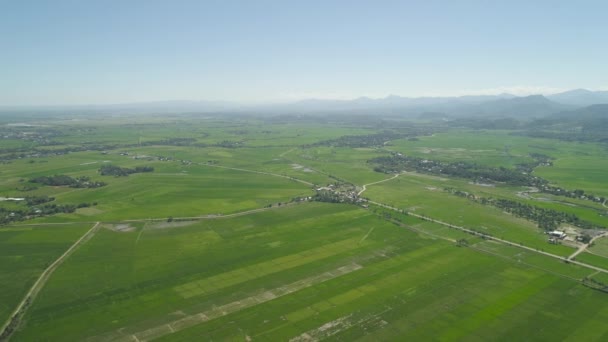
(546, 219)
(113, 170)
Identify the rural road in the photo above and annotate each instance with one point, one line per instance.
(209, 217)
(583, 247)
(507, 242)
(382, 181)
(30, 296)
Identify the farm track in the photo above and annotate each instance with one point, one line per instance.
(162, 219)
(481, 250)
(30, 296)
(229, 308)
(507, 242)
(584, 247)
(209, 217)
(170, 328)
(378, 182)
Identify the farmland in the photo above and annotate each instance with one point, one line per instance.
(225, 236)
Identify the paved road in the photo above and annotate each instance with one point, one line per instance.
(507, 242)
(46, 274)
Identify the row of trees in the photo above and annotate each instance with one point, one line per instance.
(112, 170)
(373, 140)
(65, 180)
(480, 173)
(522, 176)
(547, 219)
(10, 215)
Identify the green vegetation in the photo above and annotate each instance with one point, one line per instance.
(111, 170)
(24, 253)
(281, 227)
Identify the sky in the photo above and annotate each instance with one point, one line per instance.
(55, 52)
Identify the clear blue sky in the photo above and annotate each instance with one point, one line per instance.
(80, 52)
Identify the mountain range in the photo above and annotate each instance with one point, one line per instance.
(501, 105)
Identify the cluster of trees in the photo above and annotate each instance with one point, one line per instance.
(519, 177)
(539, 159)
(169, 142)
(332, 197)
(10, 215)
(547, 219)
(479, 173)
(369, 140)
(112, 170)
(580, 194)
(354, 141)
(36, 200)
(65, 180)
(337, 193)
(228, 144)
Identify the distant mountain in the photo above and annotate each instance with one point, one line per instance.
(491, 106)
(583, 124)
(581, 97)
(598, 111)
(533, 106)
(393, 104)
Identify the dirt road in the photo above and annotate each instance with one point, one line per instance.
(382, 181)
(13, 322)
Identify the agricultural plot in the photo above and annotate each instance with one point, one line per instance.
(416, 195)
(25, 252)
(586, 171)
(299, 272)
(210, 245)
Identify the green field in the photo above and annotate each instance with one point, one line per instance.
(227, 238)
(344, 265)
(24, 253)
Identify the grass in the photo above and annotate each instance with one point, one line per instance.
(327, 271)
(24, 253)
(416, 194)
(600, 247)
(155, 275)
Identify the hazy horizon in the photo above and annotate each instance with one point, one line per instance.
(515, 91)
(111, 52)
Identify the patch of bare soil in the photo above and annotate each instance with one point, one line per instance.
(174, 224)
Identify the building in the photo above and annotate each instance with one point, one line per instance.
(558, 234)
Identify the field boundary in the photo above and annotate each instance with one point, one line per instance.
(507, 242)
(15, 318)
(161, 219)
(226, 309)
(259, 172)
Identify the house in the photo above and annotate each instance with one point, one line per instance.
(558, 234)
